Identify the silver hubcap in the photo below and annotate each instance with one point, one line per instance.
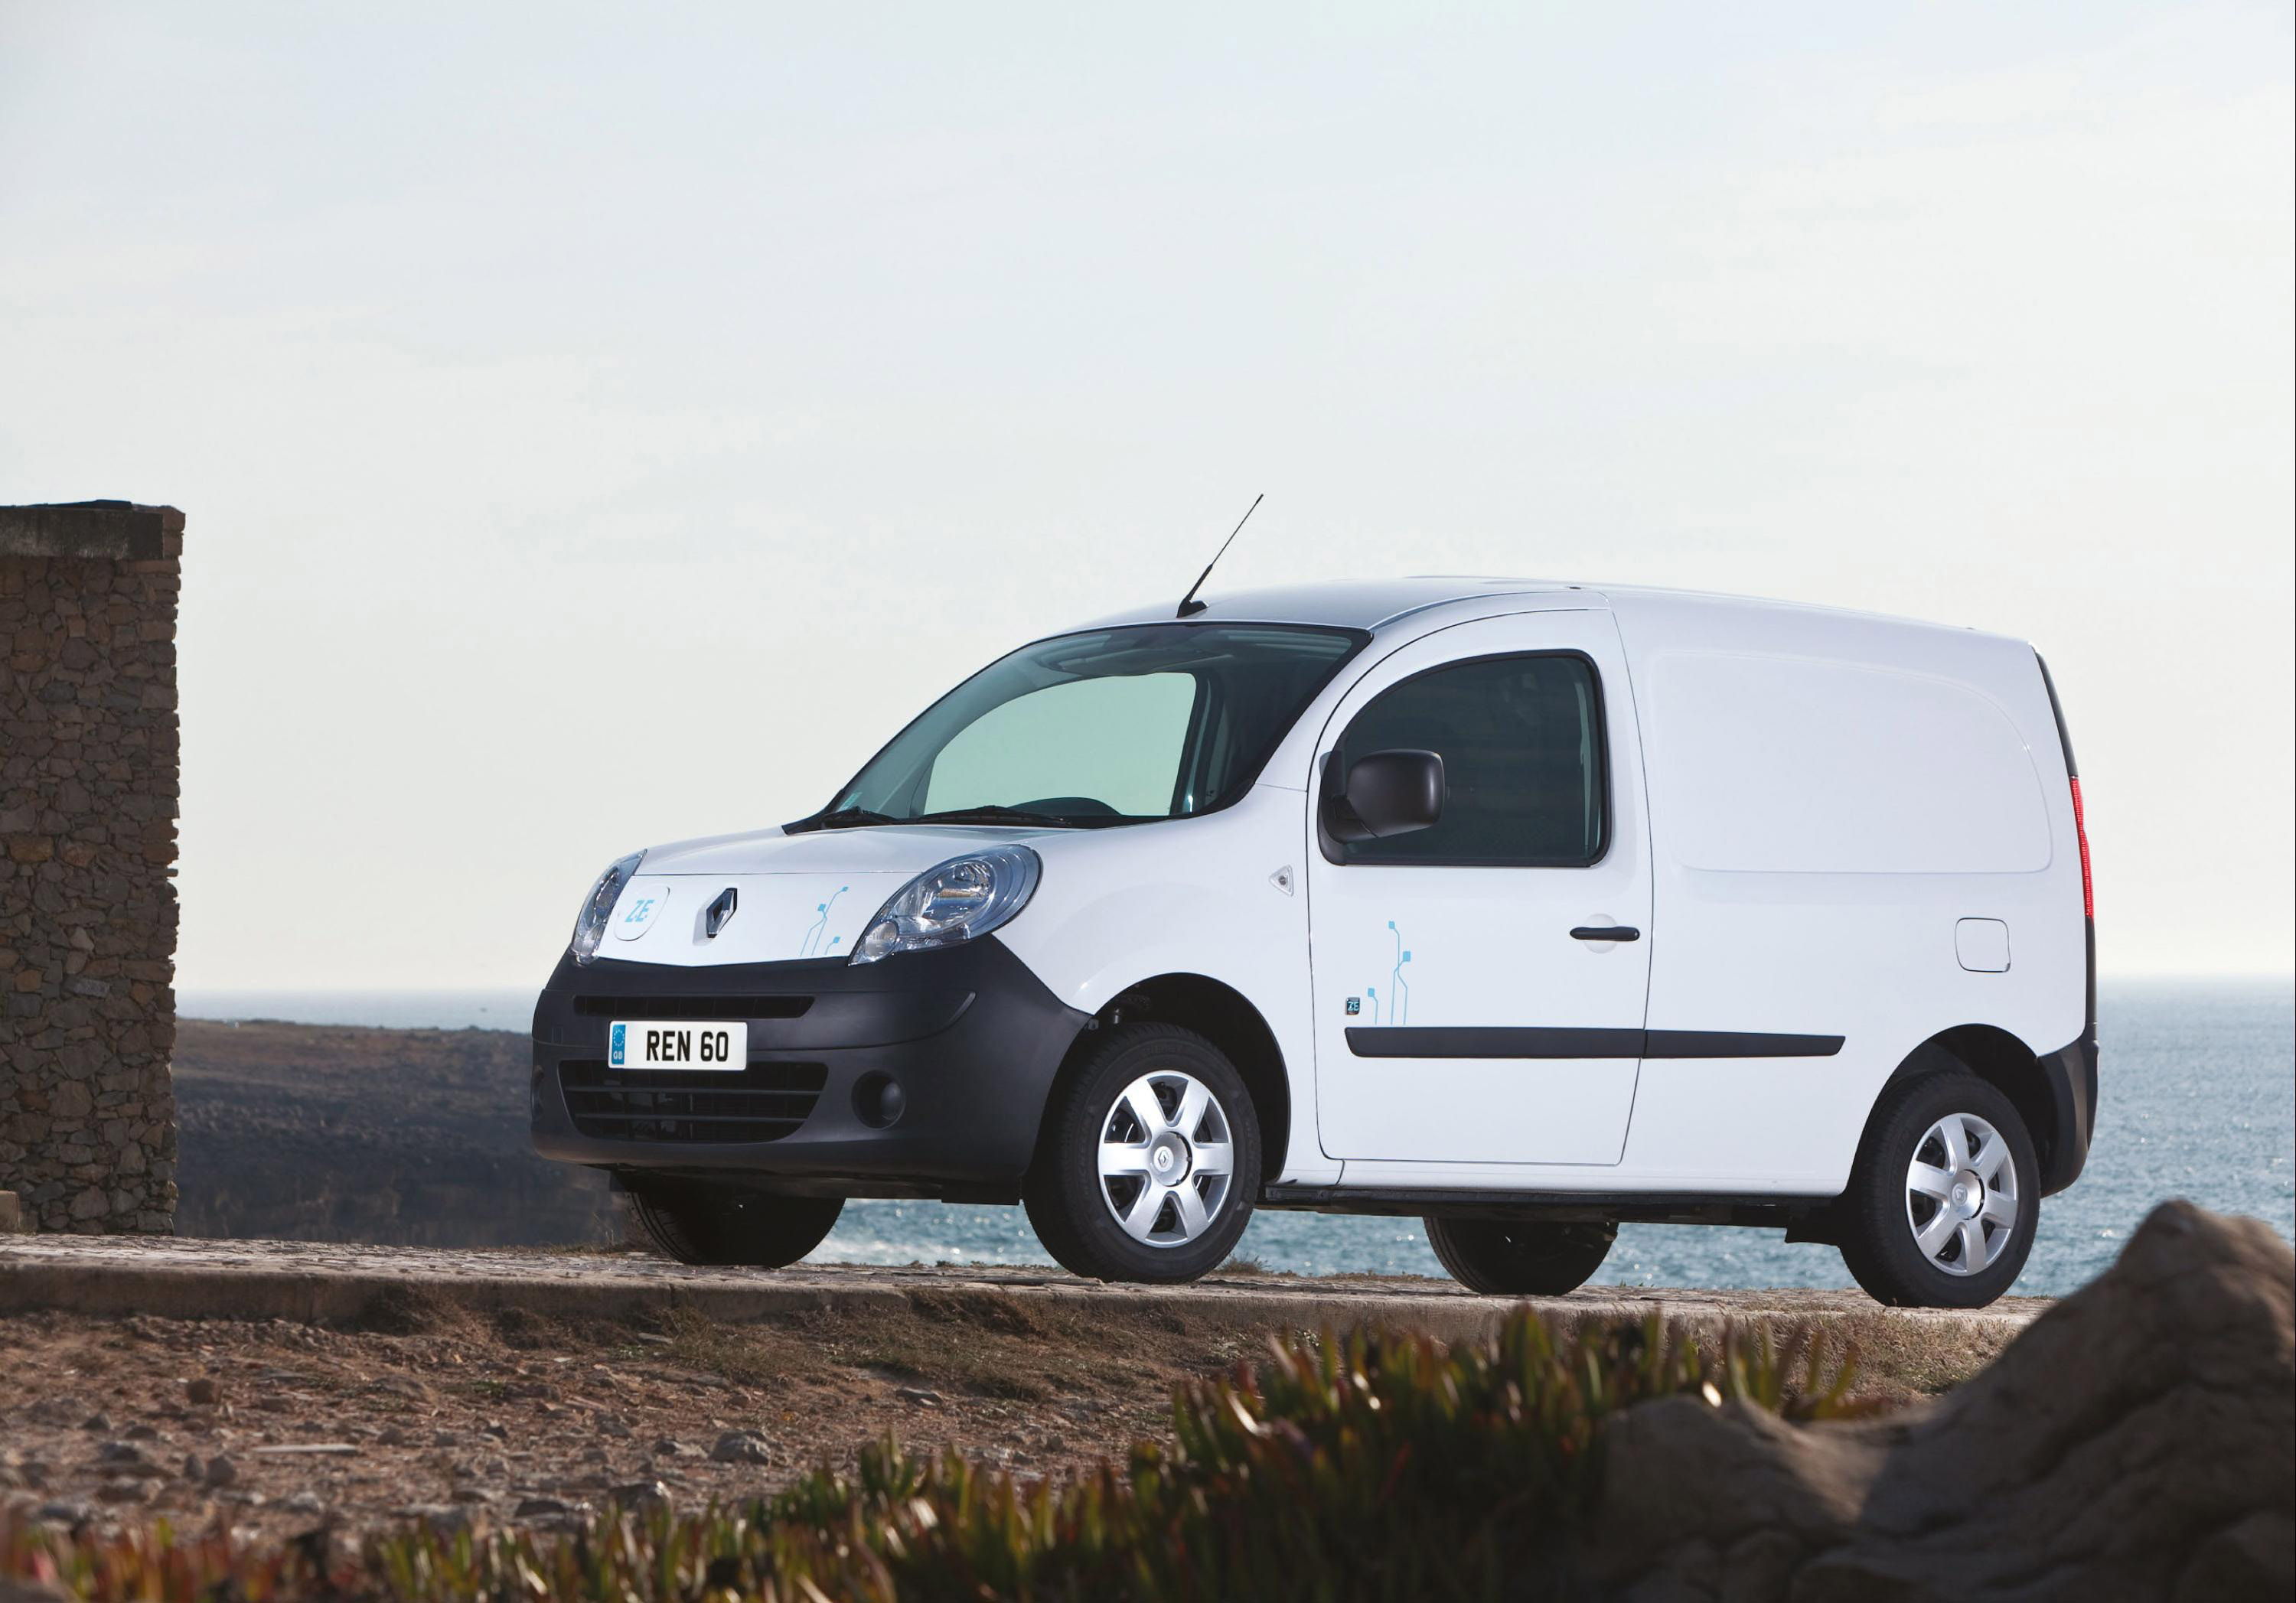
(1167, 1158)
(1961, 1194)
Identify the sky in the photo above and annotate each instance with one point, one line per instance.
(601, 425)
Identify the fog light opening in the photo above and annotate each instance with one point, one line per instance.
(878, 1100)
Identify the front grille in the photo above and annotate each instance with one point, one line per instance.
(765, 1103)
(692, 1006)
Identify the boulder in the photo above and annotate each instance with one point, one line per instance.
(2138, 1440)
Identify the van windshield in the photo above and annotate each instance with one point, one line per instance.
(1112, 726)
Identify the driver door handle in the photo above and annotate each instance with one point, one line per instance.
(1606, 932)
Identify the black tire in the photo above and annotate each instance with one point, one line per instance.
(1070, 1204)
(1878, 1216)
(1502, 1257)
(696, 1222)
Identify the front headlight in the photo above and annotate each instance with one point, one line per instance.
(950, 904)
(598, 906)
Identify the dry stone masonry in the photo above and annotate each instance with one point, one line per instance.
(88, 851)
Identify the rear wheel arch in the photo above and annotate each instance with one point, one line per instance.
(1223, 1015)
(2002, 1061)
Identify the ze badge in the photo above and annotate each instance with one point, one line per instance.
(640, 909)
(1355, 1006)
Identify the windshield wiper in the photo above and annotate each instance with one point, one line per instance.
(844, 818)
(1001, 815)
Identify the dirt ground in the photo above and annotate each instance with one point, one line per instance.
(428, 1408)
(454, 1415)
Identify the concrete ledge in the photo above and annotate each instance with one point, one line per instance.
(119, 530)
(329, 1283)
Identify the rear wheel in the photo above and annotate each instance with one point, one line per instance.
(698, 1221)
(1151, 1161)
(1945, 1196)
(1504, 1258)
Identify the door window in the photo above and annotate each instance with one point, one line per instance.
(1523, 764)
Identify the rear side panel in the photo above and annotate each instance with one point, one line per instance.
(1844, 810)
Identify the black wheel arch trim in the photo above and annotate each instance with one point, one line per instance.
(2055, 1093)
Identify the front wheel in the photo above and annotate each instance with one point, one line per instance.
(1151, 1159)
(1945, 1195)
(696, 1222)
(1502, 1257)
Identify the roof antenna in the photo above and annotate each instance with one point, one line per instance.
(1189, 605)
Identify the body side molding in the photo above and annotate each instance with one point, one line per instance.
(1477, 1040)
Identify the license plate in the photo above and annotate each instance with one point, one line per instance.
(670, 1043)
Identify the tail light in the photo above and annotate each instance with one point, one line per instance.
(2080, 830)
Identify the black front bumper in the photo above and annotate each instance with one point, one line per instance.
(971, 1038)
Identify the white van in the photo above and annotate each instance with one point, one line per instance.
(1523, 908)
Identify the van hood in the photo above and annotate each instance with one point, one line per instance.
(796, 896)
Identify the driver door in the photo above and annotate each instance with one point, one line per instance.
(1480, 984)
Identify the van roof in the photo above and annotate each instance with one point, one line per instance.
(1375, 604)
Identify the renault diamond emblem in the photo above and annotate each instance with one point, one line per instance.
(721, 912)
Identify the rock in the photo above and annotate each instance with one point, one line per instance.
(204, 1390)
(98, 1422)
(670, 1447)
(122, 1491)
(194, 1469)
(142, 1433)
(391, 1436)
(441, 1518)
(742, 1447)
(541, 1507)
(64, 1512)
(919, 1396)
(126, 1460)
(610, 1424)
(306, 1502)
(635, 1494)
(221, 1471)
(2137, 1440)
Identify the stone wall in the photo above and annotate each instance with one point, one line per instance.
(88, 848)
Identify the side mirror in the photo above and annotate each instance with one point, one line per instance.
(1386, 793)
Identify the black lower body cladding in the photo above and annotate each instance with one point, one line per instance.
(971, 1037)
(2072, 1074)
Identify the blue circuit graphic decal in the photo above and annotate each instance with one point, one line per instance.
(1398, 994)
(811, 945)
(1398, 989)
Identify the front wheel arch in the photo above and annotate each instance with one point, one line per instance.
(1219, 1014)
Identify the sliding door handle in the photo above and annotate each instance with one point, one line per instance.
(1606, 932)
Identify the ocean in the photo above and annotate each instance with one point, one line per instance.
(2198, 1094)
